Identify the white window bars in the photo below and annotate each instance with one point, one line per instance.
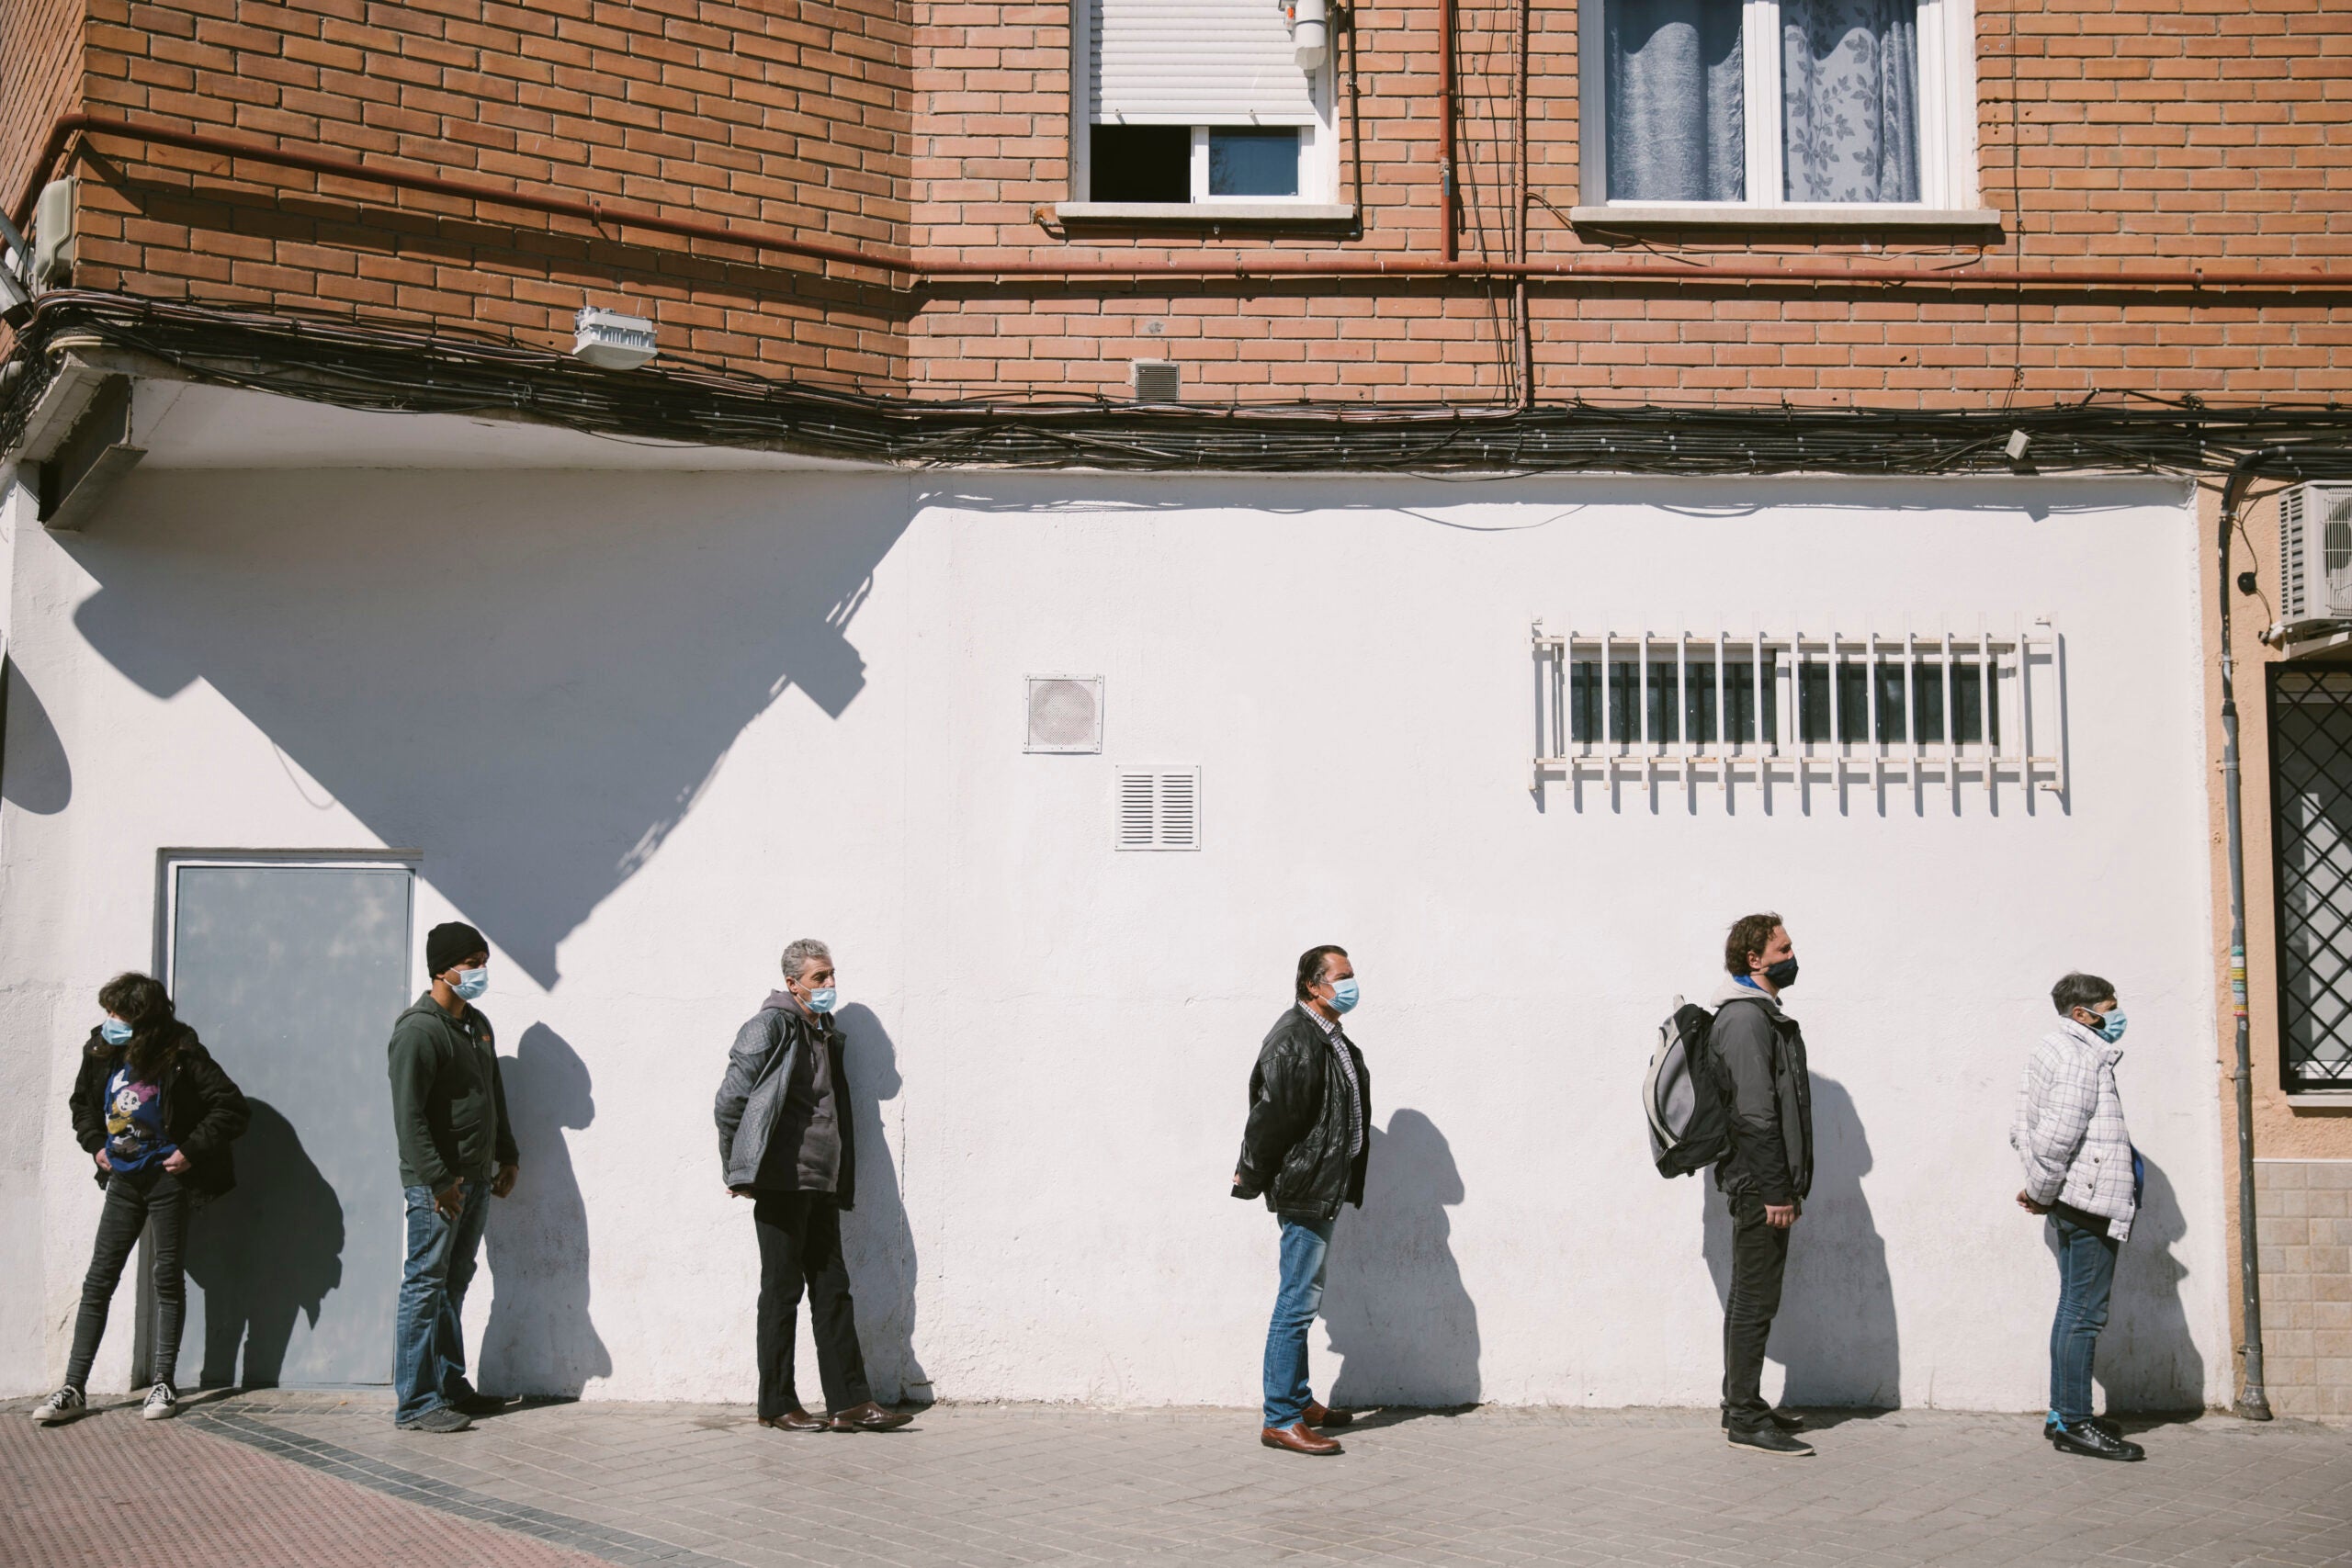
(1948, 708)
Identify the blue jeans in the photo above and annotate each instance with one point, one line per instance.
(428, 1346)
(2086, 1277)
(1306, 1246)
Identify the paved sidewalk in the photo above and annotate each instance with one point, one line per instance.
(256, 1481)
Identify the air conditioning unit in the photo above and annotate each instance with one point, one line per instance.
(2315, 562)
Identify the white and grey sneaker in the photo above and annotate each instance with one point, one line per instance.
(64, 1406)
(163, 1403)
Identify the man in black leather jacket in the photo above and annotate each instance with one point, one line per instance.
(1305, 1148)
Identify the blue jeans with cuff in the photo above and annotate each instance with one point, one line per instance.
(428, 1345)
(1306, 1246)
(2085, 1279)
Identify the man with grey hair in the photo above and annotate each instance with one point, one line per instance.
(784, 1143)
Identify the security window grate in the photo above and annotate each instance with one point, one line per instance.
(2311, 802)
(1801, 709)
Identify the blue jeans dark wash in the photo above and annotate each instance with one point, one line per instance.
(1306, 1246)
(2085, 1279)
(428, 1346)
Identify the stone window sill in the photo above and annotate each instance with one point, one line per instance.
(1833, 215)
(1201, 214)
(2321, 1100)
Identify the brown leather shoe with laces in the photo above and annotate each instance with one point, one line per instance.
(1299, 1440)
(1322, 1415)
(797, 1420)
(868, 1417)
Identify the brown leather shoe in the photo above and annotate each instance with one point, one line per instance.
(1298, 1440)
(1322, 1415)
(868, 1417)
(796, 1420)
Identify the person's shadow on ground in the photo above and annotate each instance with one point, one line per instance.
(878, 1244)
(541, 1339)
(1836, 1334)
(266, 1252)
(2147, 1361)
(1393, 1306)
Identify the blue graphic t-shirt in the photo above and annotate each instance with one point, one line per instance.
(134, 1123)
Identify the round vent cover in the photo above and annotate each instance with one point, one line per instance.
(1065, 712)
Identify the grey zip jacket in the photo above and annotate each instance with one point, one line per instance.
(1762, 1053)
(754, 1105)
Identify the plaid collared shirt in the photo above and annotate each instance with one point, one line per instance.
(1338, 1039)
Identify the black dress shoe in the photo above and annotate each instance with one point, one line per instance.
(2094, 1442)
(2113, 1430)
(797, 1420)
(868, 1417)
(1764, 1437)
(1786, 1420)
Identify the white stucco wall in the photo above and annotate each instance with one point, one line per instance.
(643, 728)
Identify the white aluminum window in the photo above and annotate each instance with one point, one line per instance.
(1199, 105)
(1950, 711)
(1850, 111)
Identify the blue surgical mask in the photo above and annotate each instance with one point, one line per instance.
(2111, 1026)
(114, 1031)
(471, 983)
(822, 998)
(1343, 995)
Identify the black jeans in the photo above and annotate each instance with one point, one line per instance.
(1758, 1256)
(800, 1242)
(133, 1200)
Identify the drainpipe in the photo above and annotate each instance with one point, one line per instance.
(2253, 1403)
(1445, 126)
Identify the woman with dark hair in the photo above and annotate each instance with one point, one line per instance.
(156, 1114)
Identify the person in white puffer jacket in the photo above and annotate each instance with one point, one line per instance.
(2080, 1171)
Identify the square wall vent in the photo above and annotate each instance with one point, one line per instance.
(1155, 380)
(1159, 808)
(1065, 712)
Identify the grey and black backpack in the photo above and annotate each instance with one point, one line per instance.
(1683, 1097)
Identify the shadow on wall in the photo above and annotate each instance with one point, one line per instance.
(1398, 1317)
(36, 777)
(541, 1339)
(269, 1249)
(531, 675)
(2147, 1362)
(1836, 1335)
(878, 1244)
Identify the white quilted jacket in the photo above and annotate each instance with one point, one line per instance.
(2069, 1128)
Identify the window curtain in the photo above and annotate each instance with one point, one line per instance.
(1677, 114)
(1849, 100)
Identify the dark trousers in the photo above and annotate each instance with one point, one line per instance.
(1758, 1256)
(134, 1199)
(801, 1243)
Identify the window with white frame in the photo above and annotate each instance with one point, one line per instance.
(1186, 103)
(1855, 107)
(1950, 710)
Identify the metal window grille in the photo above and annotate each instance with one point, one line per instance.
(1947, 710)
(2311, 809)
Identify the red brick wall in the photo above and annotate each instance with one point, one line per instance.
(40, 64)
(2122, 131)
(795, 115)
(2112, 132)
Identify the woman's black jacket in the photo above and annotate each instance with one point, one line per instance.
(1294, 1148)
(203, 1110)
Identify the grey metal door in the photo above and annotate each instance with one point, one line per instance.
(293, 973)
(2311, 816)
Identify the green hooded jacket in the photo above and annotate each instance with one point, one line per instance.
(448, 1102)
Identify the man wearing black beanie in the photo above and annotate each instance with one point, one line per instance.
(457, 1151)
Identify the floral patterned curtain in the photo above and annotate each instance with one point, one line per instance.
(1677, 114)
(1849, 100)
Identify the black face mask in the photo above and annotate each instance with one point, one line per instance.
(1782, 975)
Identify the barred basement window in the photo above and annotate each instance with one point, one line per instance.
(1802, 709)
(2311, 806)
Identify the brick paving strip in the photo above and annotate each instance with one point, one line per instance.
(697, 1485)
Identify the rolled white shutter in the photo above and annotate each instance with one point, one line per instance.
(1195, 62)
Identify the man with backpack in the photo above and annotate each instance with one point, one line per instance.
(1760, 1058)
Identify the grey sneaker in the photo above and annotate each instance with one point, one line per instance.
(1770, 1440)
(163, 1403)
(440, 1418)
(64, 1406)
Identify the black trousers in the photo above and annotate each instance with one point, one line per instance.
(134, 1198)
(1760, 1254)
(800, 1244)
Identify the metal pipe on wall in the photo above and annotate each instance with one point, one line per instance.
(1447, 184)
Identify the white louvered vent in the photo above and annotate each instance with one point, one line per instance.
(1159, 808)
(1064, 713)
(1195, 62)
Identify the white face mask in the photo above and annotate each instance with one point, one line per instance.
(471, 983)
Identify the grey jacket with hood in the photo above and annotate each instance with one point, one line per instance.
(782, 1108)
(1762, 1053)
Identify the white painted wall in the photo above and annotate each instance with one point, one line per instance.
(645, 728)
